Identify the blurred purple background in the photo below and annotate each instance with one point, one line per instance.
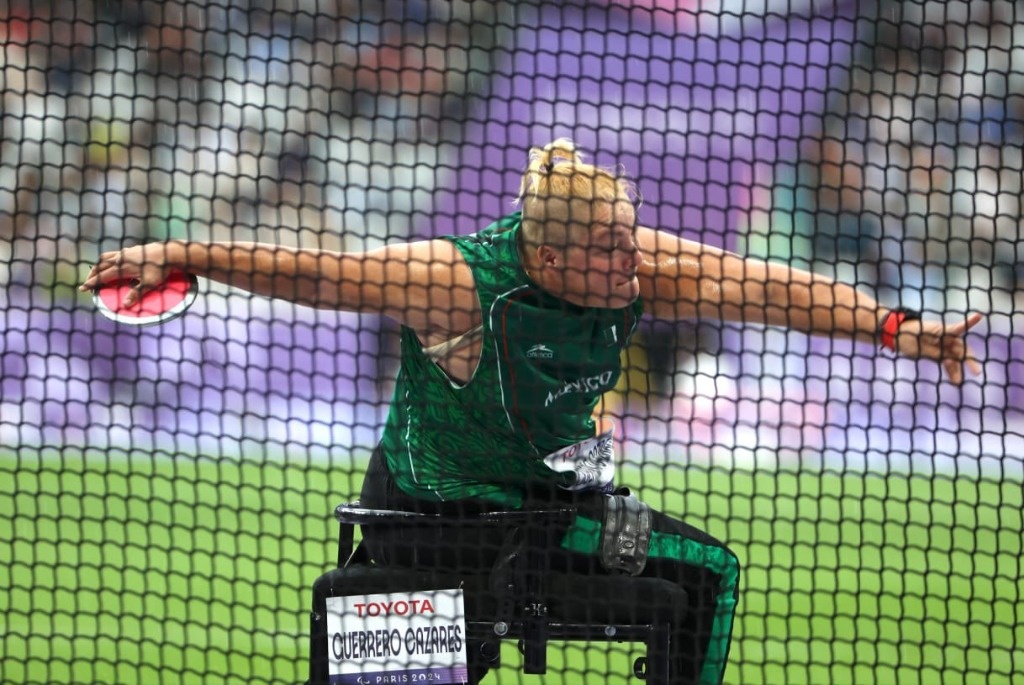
(686, 114)
(695, 116)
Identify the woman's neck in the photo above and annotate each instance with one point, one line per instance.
(526, 259)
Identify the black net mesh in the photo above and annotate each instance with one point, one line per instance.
(166, 492)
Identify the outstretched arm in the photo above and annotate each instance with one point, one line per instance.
(426, 285)
(682, 279)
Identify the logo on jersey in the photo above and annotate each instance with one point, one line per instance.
(599, 383)
(540, 351)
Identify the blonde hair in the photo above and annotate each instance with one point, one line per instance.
(560, 190)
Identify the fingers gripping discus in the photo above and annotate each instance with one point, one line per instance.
(165, 302)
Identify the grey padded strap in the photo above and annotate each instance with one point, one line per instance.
(626, 539)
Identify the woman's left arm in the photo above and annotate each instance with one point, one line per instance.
(681, 279)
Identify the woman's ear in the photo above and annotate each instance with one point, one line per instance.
(548, 255)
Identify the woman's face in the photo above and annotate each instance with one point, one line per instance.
(598, 267)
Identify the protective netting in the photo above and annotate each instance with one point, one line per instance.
(166, 493)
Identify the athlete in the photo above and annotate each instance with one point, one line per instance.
(509, 338)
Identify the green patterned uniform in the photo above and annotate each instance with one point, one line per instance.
(544, 365)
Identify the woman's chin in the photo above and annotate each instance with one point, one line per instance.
(619, 296)
(627, 292)
(622, 296)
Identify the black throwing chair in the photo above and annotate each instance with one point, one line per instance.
(516, 600)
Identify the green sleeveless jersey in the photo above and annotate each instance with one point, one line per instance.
(543, 367)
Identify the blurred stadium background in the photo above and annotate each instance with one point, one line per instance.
(165, 494)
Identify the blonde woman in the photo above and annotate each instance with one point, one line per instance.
(510, 337)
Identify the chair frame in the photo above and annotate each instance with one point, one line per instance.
(523, 613)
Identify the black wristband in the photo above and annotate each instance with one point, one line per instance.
(908, 314)
(889, 326)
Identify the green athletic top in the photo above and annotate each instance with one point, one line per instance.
(543, 367)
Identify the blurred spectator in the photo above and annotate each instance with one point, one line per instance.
(288, 117)
(291, 121)
(40, 149)
(918, 170)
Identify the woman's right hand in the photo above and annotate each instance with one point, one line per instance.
(146, 266)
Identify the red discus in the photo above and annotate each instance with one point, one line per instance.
(167, 301)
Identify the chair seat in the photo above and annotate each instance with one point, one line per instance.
(368, 579)
(571, 597)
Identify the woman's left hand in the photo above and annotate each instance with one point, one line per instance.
(941, 342)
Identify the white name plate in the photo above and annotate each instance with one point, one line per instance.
(397, 638)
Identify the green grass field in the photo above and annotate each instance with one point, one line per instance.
(134, 568)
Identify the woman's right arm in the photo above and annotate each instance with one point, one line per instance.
(424, 284)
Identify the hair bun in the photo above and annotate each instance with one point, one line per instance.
(575, 180)
(562, 149)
